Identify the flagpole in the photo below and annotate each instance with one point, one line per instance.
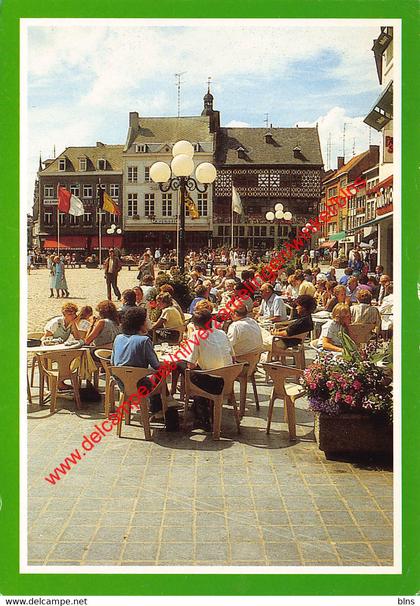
(231, 235)
(178, 213)
(58, 221)
(100, 226)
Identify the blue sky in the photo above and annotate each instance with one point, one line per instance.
(84, 79)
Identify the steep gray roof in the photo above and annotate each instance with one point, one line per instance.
(111, 153)
(278, 149)
(157, 131)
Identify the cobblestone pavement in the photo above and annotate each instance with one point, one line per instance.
(184, 499)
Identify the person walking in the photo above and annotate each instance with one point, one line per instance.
(58, 279)
(112, 266)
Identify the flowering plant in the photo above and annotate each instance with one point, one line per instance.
(349, 384)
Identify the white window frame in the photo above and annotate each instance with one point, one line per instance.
(203, 204)
(62, 218)
(87, 218)
(83, 164)
(149, 204)
(132, 204)
(147, 174)
(132, 174)
(47, 218)
(49, 191)
(88, 188)
(140, 148)
(73, 220)
(75, 190)
(167, 207)
(114, 190)
(98, 164)
(197, 147)
(62, 164)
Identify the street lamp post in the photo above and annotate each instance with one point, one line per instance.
(278, 213)
(177, 177)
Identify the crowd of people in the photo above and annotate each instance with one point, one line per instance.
(155, 310)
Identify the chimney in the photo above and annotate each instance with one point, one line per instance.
(133, 119)
(340, 162)
(374, 153)
(100, 144)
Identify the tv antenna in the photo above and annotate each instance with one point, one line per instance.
(266, 119)
(329, 145)
(344, 141)
(178, 86)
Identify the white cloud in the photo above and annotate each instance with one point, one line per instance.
(356, 136)
(237, 124)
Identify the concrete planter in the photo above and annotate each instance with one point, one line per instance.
(353, 435)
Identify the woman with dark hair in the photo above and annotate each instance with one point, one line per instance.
(128, 300)
(104, 330)
(133, 347)
(305, 306)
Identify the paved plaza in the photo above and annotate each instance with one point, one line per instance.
(183, 499)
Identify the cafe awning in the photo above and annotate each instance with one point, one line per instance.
(66, 243)
(382, 112)
(107, 242)
(338, 236)
(328, 244)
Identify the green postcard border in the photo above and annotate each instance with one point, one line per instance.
(14, 583)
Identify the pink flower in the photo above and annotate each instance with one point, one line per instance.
(348, 399)
(357, 384)
(337, 396)
(330, 384)
(312, 385)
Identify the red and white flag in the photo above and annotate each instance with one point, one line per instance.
(69, 203)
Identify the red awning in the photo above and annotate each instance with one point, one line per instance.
(67, 242)
(107, 242)
(385, 183)
(328, 244)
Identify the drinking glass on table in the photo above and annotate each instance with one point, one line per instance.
(165, 347)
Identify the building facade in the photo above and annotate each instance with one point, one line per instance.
(80, 170)
(150, 215)
(266, 167)
(380, 118)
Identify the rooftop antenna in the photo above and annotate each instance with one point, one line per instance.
(208, 83)
(344, 141)
(178, 85)
(329, 145)
(370, 135)
(354, 146)
(266, 120)
(54, 151)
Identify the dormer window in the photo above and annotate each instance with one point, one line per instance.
(141, 148)
(82, 163)
(197, 147)
(297, 151)
(268, 138)
(240, 152)
(101, 164)
(62, 164)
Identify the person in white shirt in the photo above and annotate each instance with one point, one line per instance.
(387, 309)
(244, 333)
(272, 306)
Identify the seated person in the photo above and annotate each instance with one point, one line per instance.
(352, 290)
(170, 289)
(365, 313)
(61, 327)
(128, 300)
(292, 289)
(244, 333)
(304, 287)
(319, 292)
(347, 273)
(329, 293)
(272, 306)
(339, 297)
(84, 320)
(133, 347)
(331, 339)
(387, 309)
(148, 288)
(170, 323)
(228, 292)
(103, 331)
(201, 292)
(247, 301)
(305, 306)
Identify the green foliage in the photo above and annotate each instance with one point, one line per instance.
(179, 283)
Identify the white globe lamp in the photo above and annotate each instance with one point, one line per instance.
(279, 214)
(182, 165)
(160, 172)
(205, 172)
(183, 148)
(278, 206)
(288, 216)
(269, 216)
